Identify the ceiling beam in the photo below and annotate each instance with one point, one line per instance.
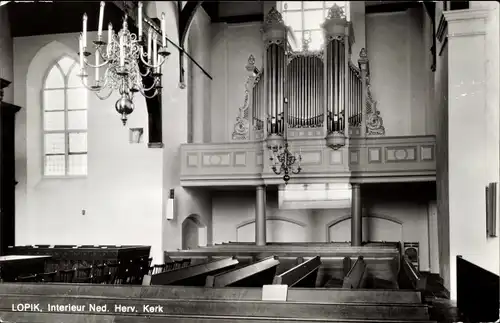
(185, 18)
(392, 7)
(240, 18)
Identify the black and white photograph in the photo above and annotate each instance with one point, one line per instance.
(249, 161)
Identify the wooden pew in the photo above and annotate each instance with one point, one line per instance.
(356, 276)
(410, 277)
(194, 275)
(302, 275)
(286, 251)
(477, 292)
(255, 275)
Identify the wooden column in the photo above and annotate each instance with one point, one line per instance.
(7, 171)
(260, 216)
(356, 217)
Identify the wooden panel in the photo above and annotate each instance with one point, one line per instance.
(355, 277)
(254, 275)
(189, 292)
(410, 277)
(477, 292)
(193, 275)
(302, 275)
(372, 159)
(234, 308)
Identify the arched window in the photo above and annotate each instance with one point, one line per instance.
(306, 17)
(64, 121)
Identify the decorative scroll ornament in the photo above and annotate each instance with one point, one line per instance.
(242, 125)
(315, 53)
(374, 122)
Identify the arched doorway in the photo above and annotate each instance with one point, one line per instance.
(376, 227)
(194, 232)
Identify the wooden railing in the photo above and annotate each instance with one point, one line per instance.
(477, 292)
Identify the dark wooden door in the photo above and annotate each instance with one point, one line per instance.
(7, 176)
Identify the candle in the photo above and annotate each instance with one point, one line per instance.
(150, 33)
(122, 52)
(163, 31)
(155, 51)
(110, 37)
(97, 64)
(140, 20)
(84, 31)
(81, 53)
(101, 17)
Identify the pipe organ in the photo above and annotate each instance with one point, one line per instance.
(313, 89)
(305, 90)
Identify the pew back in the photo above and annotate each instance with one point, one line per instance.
(254, 275)
(193, 275)
(302, 275)
(355, 278)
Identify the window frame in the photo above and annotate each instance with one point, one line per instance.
(66, 132)
(302, 11)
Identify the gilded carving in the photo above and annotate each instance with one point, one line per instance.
(336, 12)
(293, 55)
(374, 122)
(242, 125)
(274, 30)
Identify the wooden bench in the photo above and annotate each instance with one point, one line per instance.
(302, 275)
(318, 295)
(356, 276)
(237, 310)
(409, 277)
(287, 251)
(193, 275)
(254, 275)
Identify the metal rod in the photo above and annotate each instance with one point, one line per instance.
(157, 28)
(325, 88)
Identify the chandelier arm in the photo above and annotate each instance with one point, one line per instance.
(161, 60)
(105, 96)
(85, 61)
(155, 83)
(149, 96)
(90, 88)
(148, 71)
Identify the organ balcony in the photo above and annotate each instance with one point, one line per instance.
(320, 103)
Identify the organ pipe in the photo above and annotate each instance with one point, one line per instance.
(323, 88)
(336, 31)
(274, 36)
(305, 87)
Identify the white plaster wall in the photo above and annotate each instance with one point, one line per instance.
(473, 154)
(6, 67)
(174, 124)
(232, 44)
(399, 73)
(358, 20)
(121, 195)
(199, 48)
(234, 209)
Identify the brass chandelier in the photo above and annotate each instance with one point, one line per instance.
(284, 162)
(120, 56)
